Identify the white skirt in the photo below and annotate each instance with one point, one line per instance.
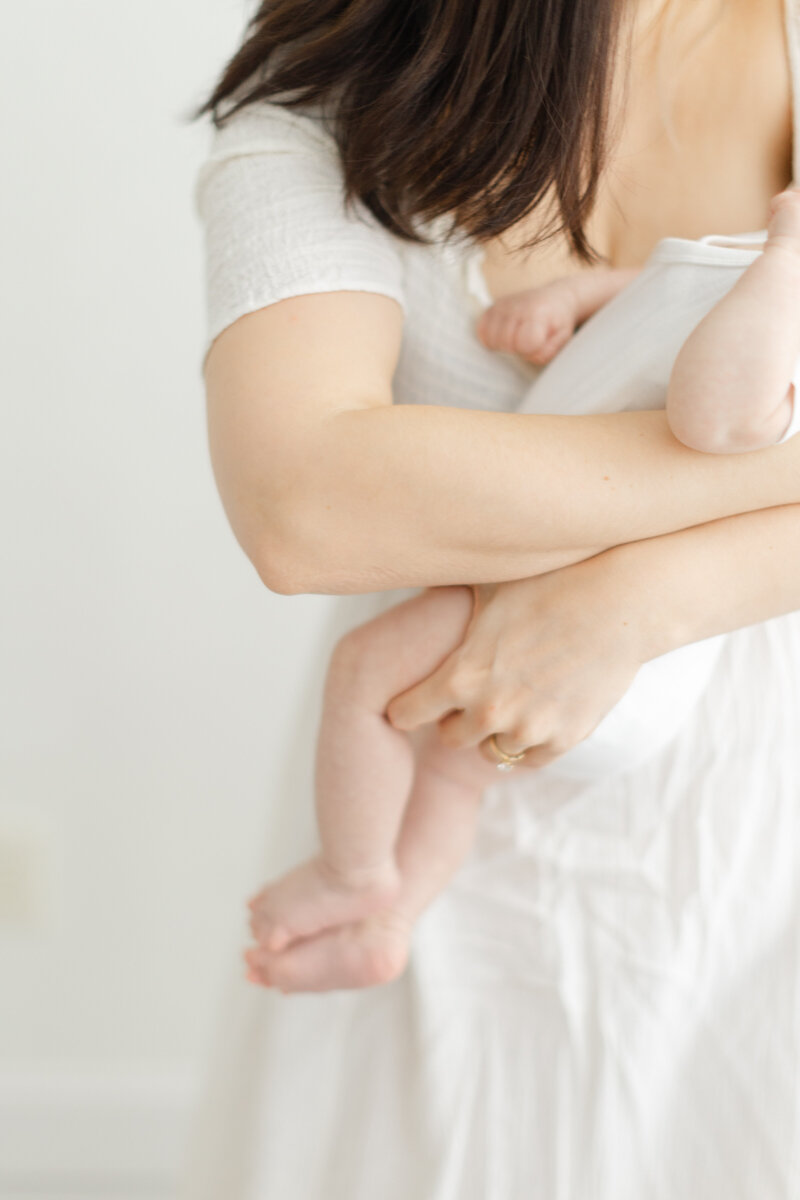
(604, 1005)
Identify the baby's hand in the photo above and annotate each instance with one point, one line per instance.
(534, 324)
(784, 225)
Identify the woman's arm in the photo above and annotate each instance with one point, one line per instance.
(716, 578)
(545, 659)
(331, 488)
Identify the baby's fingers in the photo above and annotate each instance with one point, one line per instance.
(540, 342)
(497, 329)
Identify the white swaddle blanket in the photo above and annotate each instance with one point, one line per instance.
(621, 359)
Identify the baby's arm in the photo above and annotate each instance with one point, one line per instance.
(731, 388)
(536, 323)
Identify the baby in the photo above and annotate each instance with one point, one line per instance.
(344, 918)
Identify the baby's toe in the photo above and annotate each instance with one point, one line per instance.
(256, 971)
(268, 929)
(278, 939)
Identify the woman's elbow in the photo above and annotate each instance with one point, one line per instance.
(286, 566)
(279, 575)
(301, 534)
(294, 559)
(269, 515)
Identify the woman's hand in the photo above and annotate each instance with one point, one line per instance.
(543, 659)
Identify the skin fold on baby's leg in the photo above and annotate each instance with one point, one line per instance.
(313, 923)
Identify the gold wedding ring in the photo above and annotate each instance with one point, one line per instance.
(504, 762)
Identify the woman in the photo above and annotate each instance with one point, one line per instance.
(604, 1003)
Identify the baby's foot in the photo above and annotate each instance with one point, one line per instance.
(313, 898)
(784, 226)
(363, 954)
(535, 324)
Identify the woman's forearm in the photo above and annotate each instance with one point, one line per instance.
(419, 496)
(330, 487)
(714, 578)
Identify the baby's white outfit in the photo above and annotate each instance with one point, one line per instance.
(621, 359)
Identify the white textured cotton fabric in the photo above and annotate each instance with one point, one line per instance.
(605, 1004)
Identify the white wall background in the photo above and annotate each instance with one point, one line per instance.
(145, 669)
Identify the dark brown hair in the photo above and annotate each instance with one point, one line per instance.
(479, 110)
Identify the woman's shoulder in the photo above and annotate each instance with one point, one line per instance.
(268, 127)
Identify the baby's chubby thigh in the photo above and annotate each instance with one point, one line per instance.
(375, 661)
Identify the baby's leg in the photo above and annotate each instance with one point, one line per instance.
(439, 821)
(365, 769)
(731, 386)
(437, 833)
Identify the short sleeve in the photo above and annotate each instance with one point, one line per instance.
(270, 198)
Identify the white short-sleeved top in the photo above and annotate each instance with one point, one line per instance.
(270, 199)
